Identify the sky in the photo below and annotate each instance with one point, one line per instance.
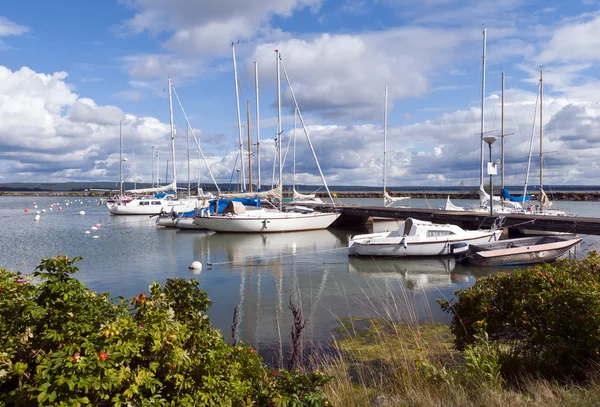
(73, 72)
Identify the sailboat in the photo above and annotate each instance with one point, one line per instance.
(238, 218)
(484, 197)
(387, 199)
(155, 205)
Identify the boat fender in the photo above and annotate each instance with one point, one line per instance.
(403, 241)
(459, 248)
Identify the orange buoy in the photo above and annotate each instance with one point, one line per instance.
(26, 210)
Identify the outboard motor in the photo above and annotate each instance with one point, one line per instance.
(459, 250)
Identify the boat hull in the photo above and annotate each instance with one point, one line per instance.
(152, 206)
(401, 247)
(264, 221)
(511, 255)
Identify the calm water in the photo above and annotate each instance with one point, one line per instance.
(258, 273)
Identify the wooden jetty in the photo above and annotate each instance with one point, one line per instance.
(358, 215)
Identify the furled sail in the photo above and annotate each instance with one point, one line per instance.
(485, 197)
(298, 195)
(170, 187)
(389, 198)
(274, 193)
(543, 199)
(451, 207)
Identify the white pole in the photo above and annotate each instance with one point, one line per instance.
(294, 156)
(482, 105)
(257, 124)
(385, 109)
(120, 159)
(172, 139)
(239, 117)
(134, 174)
(157, 168)
(188, 160)
(279, 124)
(153, 154)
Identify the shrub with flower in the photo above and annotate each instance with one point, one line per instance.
(62, 344)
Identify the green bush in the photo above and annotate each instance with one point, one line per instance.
(546, 316)
(62, 344)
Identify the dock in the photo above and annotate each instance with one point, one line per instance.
(358, 215)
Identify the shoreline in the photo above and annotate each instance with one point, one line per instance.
(556, 196)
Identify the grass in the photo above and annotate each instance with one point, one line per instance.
(380, 363)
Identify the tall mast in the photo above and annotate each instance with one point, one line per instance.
(258, 186)
(198, 187)
(385, 108)
(249, 149)
(294, 157)
(502, 134)
(239, 117)
(134, 174)
(541, 138)
(482, 104)
(153, 154)
(279, 124)
(172, 140)
(157, 168)
(120, 159)
(188, 162)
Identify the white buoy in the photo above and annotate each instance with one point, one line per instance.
(67, 204)
(94, 228)
(35, 206)
(196, 267)
(50, 209)
(95, 237)
(82, 212)
(37, 212)
(87, 232)
(43, 211)
(36, 218)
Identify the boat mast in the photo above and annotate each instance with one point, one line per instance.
(120, 159)
(482, 105)
(153, 154)
(385, 108)
(188, 162)
(172, 140)
(157, 168)
(541, 199)
(502, 134)
(249, 149)
(294, 157)
(258, 186)
(134, 174)
(279, 125)
(239, 117)
(312, 149)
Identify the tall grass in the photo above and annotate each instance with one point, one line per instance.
(394, 359)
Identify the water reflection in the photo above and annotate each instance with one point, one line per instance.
(421, 273)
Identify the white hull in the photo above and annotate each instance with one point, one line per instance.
(152, 206)
(266, 221)
(400, 247)
(187, 223)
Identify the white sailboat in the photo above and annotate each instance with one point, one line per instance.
(153, 205)
(239, 219)
(387, 199)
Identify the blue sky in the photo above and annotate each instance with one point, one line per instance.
(70, 71)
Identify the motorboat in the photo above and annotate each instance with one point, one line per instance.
(420, 238)
(522, 251)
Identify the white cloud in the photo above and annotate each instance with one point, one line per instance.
(343, 76)
(9, 28)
